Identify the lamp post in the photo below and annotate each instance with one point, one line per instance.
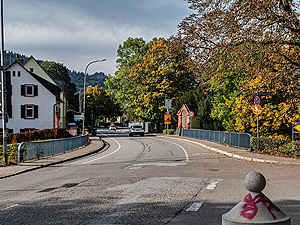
(3, 97)
(95, 61)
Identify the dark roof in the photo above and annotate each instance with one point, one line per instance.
(55, 90)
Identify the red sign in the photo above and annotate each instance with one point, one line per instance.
(256, 100)
(191, 114)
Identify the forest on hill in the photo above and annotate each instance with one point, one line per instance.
(93, 80)
(77, 78)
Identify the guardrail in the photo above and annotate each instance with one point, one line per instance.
(240, 140)
(32, 150)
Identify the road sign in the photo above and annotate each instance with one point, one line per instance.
(257, 109)
(168, 103)
(256, 100)
(167, 119)
(265, 94)
(191, 114)
(78, 117)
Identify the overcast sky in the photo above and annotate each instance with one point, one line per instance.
(75, 32)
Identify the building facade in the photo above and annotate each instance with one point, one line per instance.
(34, 101)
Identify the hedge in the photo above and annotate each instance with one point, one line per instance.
(36, 135)
(275, 145)
(169, 131)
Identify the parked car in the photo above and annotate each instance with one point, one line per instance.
(112, 127)
(136, 129)
(72, 125)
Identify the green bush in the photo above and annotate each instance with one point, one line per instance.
(169, 131)
(276, 145)
(291, 148)
(267, 144)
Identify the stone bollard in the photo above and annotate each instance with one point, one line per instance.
(255, 208)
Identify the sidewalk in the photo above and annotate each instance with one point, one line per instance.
(95, 145)
(237, 153)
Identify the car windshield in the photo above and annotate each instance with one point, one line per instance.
(137, 126)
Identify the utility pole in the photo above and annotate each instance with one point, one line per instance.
(3, 97)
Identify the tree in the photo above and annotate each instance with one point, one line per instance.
(161, 76)
(100, 104)
(130, 53)
(255, 41)
(59, 71)
(202, 99)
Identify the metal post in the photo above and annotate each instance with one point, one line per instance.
(3, 90)
(257, 121)
(293, 132)
(85, 90)
(257, 125)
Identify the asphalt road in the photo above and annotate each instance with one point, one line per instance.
(142, 180)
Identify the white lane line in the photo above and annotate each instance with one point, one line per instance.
(212, 185)
(12, 206)
(119, 147)
(185, 152)
(194, 207)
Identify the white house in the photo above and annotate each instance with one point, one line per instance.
(35, 102)
(33, 66)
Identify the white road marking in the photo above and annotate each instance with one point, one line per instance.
(185, 152)
(12, 206)
(194, 207)
(142, 165)
(119, 147)
(212, 185)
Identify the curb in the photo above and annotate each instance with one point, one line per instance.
(233, 155)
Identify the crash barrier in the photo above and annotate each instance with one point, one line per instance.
(240, 140)
(32, 150)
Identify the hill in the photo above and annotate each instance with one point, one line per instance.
(97, 78)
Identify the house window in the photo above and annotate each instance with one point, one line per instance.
(19, 73)
(14, 73)
(29, 111)
(31, 69)
(29, 90)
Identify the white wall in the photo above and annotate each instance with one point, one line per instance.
(45, 101)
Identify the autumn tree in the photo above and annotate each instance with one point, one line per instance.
(100, 104)
(256, 39)
(160, 76)
(61, 74)
(130, 53)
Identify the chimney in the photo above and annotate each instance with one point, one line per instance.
(18, 59)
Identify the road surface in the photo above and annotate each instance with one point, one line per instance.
(142, 180)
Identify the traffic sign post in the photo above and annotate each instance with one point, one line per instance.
(167, 119)
(191, 113)
(256, 100)
(168, 103)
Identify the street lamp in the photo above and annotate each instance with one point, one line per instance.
(95, 61)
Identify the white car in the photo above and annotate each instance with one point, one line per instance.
(112, 127)
(136, 129)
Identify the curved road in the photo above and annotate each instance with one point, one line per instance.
(142, 180)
